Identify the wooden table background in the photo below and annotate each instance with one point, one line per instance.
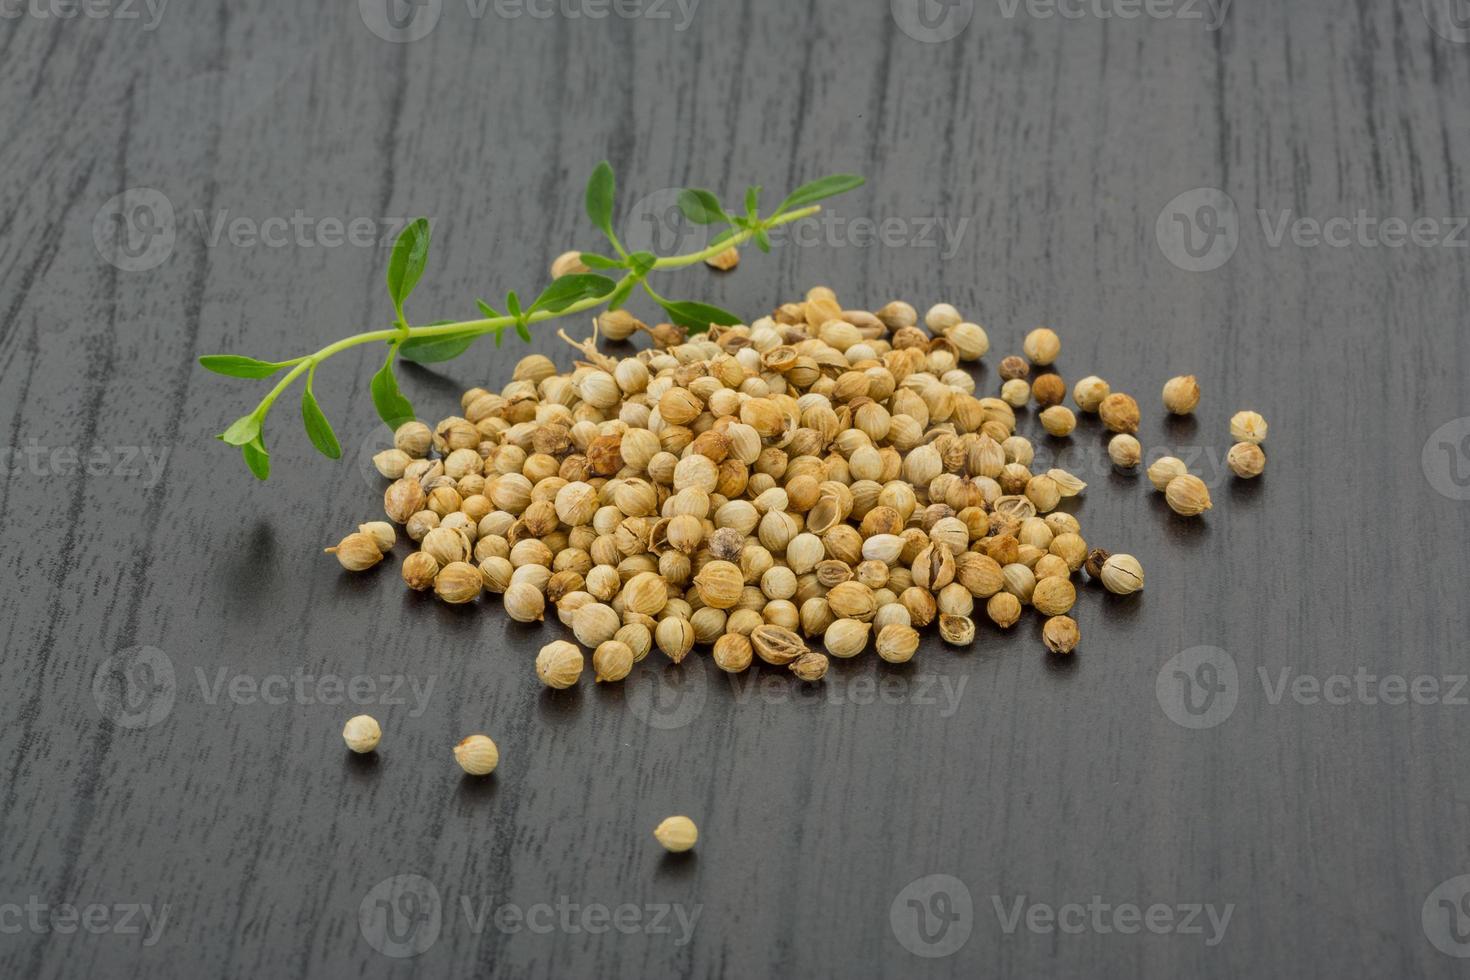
(1057, 142)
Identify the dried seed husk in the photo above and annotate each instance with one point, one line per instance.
(776, 645)
(956, 630)
(1060, 634)
(810, 666)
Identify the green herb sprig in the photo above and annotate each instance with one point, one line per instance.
(570, 294)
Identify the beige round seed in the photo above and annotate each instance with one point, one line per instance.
(1181, 394)
(1122, 574)
(362, 733)
(1246, 460)
(897, 643)
(676, 834)
(1042, 346)
(611, 661)
(1125, 451)
(846, 637)
(1187, 495)
(559, 664)
(1162, 471)
(477, 755)
(1060, 634)
(1248, 427)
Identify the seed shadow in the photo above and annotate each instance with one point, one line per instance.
(363, 767)
(1244, 491)
(1181, 427)
(476, 790)
(680, 866)
(1060, 664)
(559, 707)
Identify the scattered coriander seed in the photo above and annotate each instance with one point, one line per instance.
(568, 263)
(559, 664)
(1042, 346)
(1246, 460)
(458, 582)
(1094, 563)
(419, 571)
(1048, 390)
(618, 324)
(525, 603)
(724, 261)
(810, 666)
(897, 643)
(1119, 412)
(676, 834)
(1060, 634)
(1054, 596)
(382, 533)
(1124, 450)
(941, 317)
(776, 645)
(611, 661)
(477, 755)
(846, 637)
(357, 552)
(1187, 495)
(1248, 427)
(956, 630)
(361, 733)
(1016, 392)
(1090, 392)
(1013, 367)
(1058, 420)
(1004, 609)
(1181, 394)
(1162, 471)
(1122, 574)
(732, 653)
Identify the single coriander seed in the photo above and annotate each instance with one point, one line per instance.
(1181, 394)
(1162, 471)
(1187, 495)
(1058, 420)
(1122, 574)
(1090, 392)
(1016, 392)
(559, 664)
(1124, 450)
(357, 552)
(1119, 412)
(1060, 634)
(477, 755)
(1246, 460)
(361, 733)
(1014, 367)
(1048, 390)
(1042, 346)
(676, 834)
(1248, 427)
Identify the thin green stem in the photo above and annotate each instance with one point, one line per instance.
(401, 333)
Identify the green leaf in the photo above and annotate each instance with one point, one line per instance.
(601, 188)
(701, 207)
(697, 316)
(238, 366)
(432, 350)
(571, 289)
(513, 304)
(490, 312)
(242, 430)
(752, 202)
(620, 295)
(406, 264)
(641, 263)
(762, 240)
(317, 426)
(594, 261)
(819, 190)
(257, 459)
(392, 407)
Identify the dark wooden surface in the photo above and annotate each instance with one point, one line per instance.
(1058, 141)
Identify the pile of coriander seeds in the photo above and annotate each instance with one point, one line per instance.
(808, 486)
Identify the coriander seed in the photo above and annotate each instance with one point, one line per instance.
(1122, 574)
(361, 733)
(1016, 392)
(1060, 634)
(477, 755)
(1181, 394)
(1119, 412)
(1094, 563)
(1090, 392)
(1049, 390)
(1014, 367)
(357, 552)
(1246, 460)
(1124, 450)
(1187, 495)
(559, 664)
(676, 834)
(419, 571)
(732, 653)
(810, 666)
(458, 582)
(1042, 346)
(1162, 471)
(1248, 427)
(956, 630)
(1004, 609)
(897, 643)
(1058, 420)
(611, 661)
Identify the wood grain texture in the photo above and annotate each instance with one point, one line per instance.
(1057, 142)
